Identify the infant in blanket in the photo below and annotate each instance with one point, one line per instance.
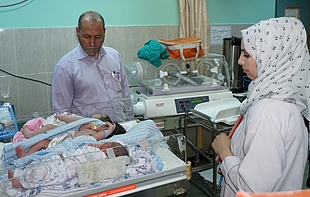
(40, 125)
(57, 120)
(39, 122)
(61, 168)
(104, 131)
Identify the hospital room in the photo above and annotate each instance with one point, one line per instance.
(154, 98)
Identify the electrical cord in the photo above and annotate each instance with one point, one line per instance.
(13, 4)
(26, 78)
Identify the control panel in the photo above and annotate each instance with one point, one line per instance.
(184, 104)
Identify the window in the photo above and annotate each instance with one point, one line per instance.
(292, 12)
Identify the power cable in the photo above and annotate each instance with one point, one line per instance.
(26, 78)
(13, 4)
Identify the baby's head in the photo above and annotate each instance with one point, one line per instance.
(119, 150)
(102, 117)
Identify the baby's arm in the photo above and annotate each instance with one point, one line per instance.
(85, 132)
(28, 134)
(104, 131)
(92, 126)
(99, 135)
(108, 126)
(66, 119)
(36, 147)
(16, 183)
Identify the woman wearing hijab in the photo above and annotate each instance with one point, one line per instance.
(269, 148)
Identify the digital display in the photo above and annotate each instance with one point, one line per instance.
(195, 101)
(184, 104)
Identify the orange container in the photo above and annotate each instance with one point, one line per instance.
(299, 193)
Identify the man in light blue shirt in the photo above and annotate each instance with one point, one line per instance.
(91, 78)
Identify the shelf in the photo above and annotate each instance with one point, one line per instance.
(208, 125)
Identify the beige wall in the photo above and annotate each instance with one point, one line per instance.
(34, 52)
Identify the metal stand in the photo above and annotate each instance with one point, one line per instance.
(208, 125)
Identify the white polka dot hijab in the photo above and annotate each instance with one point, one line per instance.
(279, 46)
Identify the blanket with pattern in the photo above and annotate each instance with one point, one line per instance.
(145, 130)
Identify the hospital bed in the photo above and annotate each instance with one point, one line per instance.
(168, 175)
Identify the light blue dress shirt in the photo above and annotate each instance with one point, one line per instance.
(84, 85)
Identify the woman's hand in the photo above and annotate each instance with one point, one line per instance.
(221, 146)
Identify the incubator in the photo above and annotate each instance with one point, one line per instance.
(177, 86)
(177, 76)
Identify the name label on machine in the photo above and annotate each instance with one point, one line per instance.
(160, 125)
(160, 104)
(185, 104)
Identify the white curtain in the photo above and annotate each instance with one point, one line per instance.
(194, 21)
